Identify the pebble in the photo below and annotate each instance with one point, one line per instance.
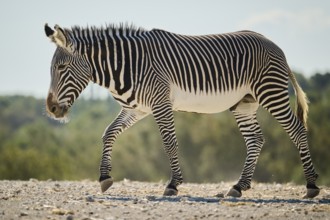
(57, 211)
(220, 195)
(23, 214)
(69, 217)
(90, 199)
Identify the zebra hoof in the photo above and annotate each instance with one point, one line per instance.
(311, 193)
(105, 184)
(234, 193)
(170, 191)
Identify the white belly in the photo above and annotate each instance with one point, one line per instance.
(205, 103)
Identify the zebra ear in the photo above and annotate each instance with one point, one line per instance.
(48, 30)
(58, 36)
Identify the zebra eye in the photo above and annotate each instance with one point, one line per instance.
(60, 67)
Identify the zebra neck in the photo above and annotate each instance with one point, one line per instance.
(115, 61)
(117, 57)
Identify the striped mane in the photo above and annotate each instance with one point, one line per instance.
(109, 30)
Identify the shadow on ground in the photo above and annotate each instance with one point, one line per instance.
(208, 199)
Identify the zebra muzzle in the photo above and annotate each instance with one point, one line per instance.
(58, 111)
(54, 109)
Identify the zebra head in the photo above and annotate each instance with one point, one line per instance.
(70, 74)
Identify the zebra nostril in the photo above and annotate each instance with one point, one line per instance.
(53, 109)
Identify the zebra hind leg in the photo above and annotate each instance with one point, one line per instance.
(298, 134)
(245, 115)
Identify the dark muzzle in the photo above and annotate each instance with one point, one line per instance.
(54, 109)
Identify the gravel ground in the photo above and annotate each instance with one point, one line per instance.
(140, 200)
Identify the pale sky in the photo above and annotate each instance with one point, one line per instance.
(300, 27)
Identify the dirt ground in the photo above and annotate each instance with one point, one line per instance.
(141, 200)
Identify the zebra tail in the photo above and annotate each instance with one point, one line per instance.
(301, 101)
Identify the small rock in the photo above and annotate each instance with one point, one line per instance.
(69, 217)
(23, 214)
(90, 199)
(220, 195)
(57, 211)
(135, 201)
(151, 198)
(101, 201)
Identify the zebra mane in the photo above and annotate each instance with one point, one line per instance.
(122, 29)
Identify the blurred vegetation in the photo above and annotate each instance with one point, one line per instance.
(211, 147)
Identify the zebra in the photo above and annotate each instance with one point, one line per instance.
(156, 72)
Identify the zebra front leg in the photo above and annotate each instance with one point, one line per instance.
(163, 115)
(250, 129)
(124, 120)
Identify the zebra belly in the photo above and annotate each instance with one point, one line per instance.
(201, 102)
